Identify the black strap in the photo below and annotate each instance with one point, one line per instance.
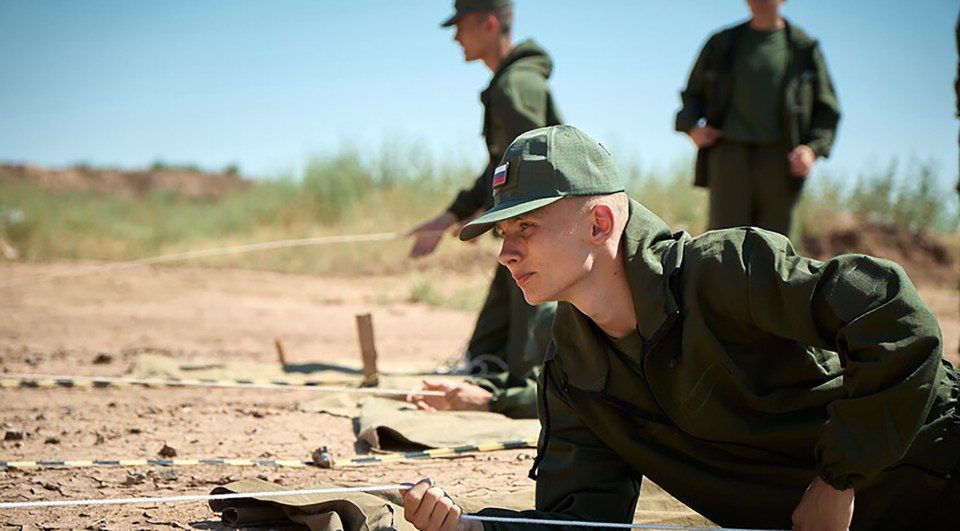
(627, 407)
(545, 438)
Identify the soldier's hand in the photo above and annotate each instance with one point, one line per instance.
(824, 508)
(430, 402)
(455, 232)
(429, 234)
(458, 396)
(428, 508)
(704, 136)
(801, 160)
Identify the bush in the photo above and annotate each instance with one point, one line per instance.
(910, 198)
(336, 183)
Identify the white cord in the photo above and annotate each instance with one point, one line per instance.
(484, 361)
(578, 523)
(320, 240)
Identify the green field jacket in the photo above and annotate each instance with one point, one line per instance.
(516, 101)
(513, 395)
(760, 369)
(810, 108)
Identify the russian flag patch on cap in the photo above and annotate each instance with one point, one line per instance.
(500, 175)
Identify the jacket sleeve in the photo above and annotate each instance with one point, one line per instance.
(956, 80)
(868, 311)
(825, 115)
(580, 479)
(513, 395)
(693, 96)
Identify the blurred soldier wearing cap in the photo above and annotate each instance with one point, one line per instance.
(956, 80)
(760, 107)
(761, 388)
(956, 89)
(516, 100)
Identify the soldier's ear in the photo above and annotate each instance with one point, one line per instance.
(491, 22)
(602, 222)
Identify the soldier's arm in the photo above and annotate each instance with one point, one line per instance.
(868, 311)
(580, 478)
(692, 97)
(825, 117)
(512, 395)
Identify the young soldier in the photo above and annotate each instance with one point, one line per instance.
(760, 107)
(516, 100)
(761, 388)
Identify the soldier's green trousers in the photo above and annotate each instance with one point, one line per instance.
(751, 184)
(503, 331)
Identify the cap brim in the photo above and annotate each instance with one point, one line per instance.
(504, 210)
(452, 20)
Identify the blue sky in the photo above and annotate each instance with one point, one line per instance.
(265, 84)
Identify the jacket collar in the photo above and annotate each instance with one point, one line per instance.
(651, 254)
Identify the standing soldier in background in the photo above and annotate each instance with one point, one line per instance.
(517, 100)
(760, 107)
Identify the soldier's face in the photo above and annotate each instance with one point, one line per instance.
(547, 251)
(764, 8)
(473, 35)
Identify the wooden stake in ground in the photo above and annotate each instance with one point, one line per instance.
(281, 354)
(368, 351)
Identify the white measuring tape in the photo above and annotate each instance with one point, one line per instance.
(578, 523)
(320, 240)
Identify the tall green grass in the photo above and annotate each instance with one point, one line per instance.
(393, 191)
(669, 193)
(908, 196)
(336, 194)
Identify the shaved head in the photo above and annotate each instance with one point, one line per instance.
(619, 204)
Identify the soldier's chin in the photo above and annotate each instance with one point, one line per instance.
(532, 298)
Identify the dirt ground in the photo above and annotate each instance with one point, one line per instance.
(96, 324)
(189, 183)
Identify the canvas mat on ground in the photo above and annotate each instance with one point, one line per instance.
(388, 424)
(383, 510)
(152, 365)
(373, 511)
(394, 425)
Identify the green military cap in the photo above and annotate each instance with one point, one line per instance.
(543, 166)
(463, 7)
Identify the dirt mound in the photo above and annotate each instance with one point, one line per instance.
(187, 183)
(926, 259)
